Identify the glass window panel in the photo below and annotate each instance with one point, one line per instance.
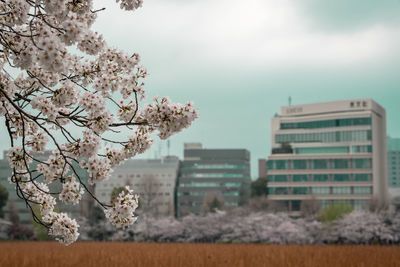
(320, 190)
(341, 163)
(278, 190)
(362, 177)
(281, 164)
(296, 205)
(320, 177)
(300, 190)
(320, 164)
(327, 123)
(362, 163)
(300, 178)
(299, 164)
(278, 178)
(362, 190)
(341, 177)
(342, 190)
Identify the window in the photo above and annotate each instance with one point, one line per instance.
(277, 164)
(281, 164)
(362, 163)
(300, 178)
(362, 190)
(300, 190)
(327, 123)
(320, 178)
(296, 204)
(326, 137)
(299, 164)
(320, 164)
(341, 163)
(341, 177)
(278, 178)
(320, 190)
(341, 190)
(278, 190)
(359, 204)
(362, 177)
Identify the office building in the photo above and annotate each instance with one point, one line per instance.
(18, 204)
(153, 180)
(208, 175)
(333, 152)
(393, 161)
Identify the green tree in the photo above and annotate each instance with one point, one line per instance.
(334, 212)
(259, 187)
(212, 202)
(3, 199)
(39, 231)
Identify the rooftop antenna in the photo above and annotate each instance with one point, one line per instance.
(290, 100)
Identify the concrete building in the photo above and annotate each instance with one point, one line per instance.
(333, 151)
(208, 174)
(153, 180)
(393, 166)
(24, 213)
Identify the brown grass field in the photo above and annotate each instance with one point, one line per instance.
(191, 255)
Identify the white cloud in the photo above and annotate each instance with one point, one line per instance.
(250, 33)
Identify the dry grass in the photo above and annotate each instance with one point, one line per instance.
(146, 254)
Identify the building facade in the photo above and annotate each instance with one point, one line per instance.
(332, 152)
(18, 205)
(208, 174)
(393, 166)
(154, 180)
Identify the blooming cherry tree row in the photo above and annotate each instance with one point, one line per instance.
(48, 94)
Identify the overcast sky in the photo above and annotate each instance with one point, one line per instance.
(239, 61)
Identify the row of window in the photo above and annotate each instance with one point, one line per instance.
(200, 194)
(357, 177)
(214, 166)
(199, 204)
(136, 185)
(357, 204)
(210, 184)
(215, 175)
(316, 164)
(326, 137)
(144, 175)
(322, 150)
(327, 123)
(333, 150)
(321, 190)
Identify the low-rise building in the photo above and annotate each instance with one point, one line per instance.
(152, 179)
(218, 177)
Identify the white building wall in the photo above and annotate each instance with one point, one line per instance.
(153, 180)
(357, 108)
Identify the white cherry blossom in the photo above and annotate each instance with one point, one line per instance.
(70, 91)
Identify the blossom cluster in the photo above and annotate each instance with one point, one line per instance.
(71, 192)
(169, 118)
(122, 213)
(62, 227)
(54, 168)
(74, 103)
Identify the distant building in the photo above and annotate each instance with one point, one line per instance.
(333, 151)
(24, 213)
(223, 174)
(262, 167)
(152, 179)
(393, 166)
